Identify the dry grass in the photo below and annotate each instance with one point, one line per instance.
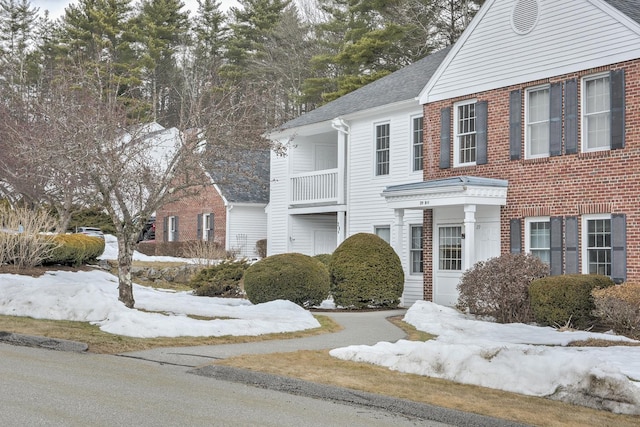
(376, 379)
(102, 342)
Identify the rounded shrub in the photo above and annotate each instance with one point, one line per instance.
(75, 249)
(295, 277)
(498, 287)
(323, 258)
(222, 279)
(618, 307)
(566, 300)
(366, 272)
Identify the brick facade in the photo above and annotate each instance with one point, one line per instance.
(205, 200)
(565, 185)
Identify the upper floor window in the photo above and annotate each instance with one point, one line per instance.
(537, 122)
(465, 133)
(415, 262)
(538, 238)
(416, 135)
(596, 243)
(596, 113)
(382, 149)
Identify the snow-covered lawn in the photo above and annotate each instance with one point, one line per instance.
(519, 358)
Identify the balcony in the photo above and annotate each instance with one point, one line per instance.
(313, 188)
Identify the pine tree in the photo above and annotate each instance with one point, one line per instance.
(17, 34)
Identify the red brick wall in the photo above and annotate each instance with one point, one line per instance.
(187, 209)
(566, 185)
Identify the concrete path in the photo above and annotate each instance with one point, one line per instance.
(358, 328)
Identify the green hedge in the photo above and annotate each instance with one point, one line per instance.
(75, 249)
(366, 273)
(295, 277)
(561, 300)
(219, 280)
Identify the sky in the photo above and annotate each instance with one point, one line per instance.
(518, 358)
(56, 7)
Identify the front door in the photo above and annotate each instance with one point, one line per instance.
(447, 263)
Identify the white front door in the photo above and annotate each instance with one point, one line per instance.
(324, 241)
(447, 263)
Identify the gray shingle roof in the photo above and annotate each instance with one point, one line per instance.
(402, 85)
(243, 177)
(631, 8)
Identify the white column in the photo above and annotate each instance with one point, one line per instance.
(341, 227)
(469, 256)
(396, 236)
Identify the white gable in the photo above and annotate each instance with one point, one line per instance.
(566, 36)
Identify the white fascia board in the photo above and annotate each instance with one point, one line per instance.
(617, 15)
(424, 94)
(310, 129)
(317, 209)
(386, 108)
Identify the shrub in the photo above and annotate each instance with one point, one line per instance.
(323, 258)
(205, 252)
(92, 217)
(261, 248)
(22, 242)
(292, 276)
(499, 286)
(75, 249)
(219, 280)
(366, 272)
(561, 300)
(619, 308)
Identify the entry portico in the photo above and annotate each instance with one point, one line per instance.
(461, 227)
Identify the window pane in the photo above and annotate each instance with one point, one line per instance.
(450, 244)
(599, 246)
(416, 249)
(597, 113)
(417, 143)
(540, 240)
(382, 149)
(384, 233)
(466, 136)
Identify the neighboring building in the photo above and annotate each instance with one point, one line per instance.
(228, 209)
(532, 143)
(339, 158)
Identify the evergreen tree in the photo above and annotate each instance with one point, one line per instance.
(17, 36)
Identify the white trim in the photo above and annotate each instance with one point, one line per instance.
(456, 142)
(583, 110)
(527, 142)
(584, 236)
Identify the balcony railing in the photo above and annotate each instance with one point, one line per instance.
(315, 187)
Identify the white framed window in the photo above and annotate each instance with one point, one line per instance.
(596, 113)
(450, 248)
(207, 226)
(537, 234)
(596, 244)
(383, 231)
(464, 120)
(415, 251)
(172, 228)
(382, 149)
(417, 143)
(537, 116)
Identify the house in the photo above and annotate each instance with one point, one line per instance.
(228, 209)
(532, 143)
(338, 160)
(531, 132)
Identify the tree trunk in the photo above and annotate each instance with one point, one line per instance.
(125, 258)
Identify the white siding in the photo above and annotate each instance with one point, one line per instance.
(247, 225)
(569, 36)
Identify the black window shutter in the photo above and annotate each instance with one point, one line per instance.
(616, 80)
(618, 248)
(175, 234)
(515, 235)
(572, 241)
(165, 229)
(481, 132)
(199, 227)
(555, 119)
(515, 124)
(445, 138)
(571, 116)
(556, 246)
(210, 233)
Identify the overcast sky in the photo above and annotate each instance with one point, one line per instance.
(56, 7)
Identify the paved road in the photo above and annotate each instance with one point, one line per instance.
(178, 386)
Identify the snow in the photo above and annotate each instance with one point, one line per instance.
(519, 358)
